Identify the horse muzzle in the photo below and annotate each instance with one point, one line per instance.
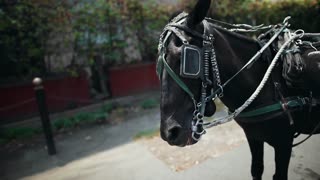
(176, 135)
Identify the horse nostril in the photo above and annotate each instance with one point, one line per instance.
(173, 133)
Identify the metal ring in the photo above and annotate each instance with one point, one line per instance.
(194, 138)
(299, 42)
(199, 116)
(299, 33)
(201, 133)
(221, 93)
(199, 122)
(194, 128)
(207, 99)
(204, 84)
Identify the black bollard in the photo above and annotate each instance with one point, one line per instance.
(44, 115)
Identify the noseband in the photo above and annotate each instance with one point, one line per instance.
(193, 57)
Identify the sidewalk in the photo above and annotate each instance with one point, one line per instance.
(110, 153)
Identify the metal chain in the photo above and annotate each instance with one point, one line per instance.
(215, 71)
(197, 121)
(206, 55)
(197, 125)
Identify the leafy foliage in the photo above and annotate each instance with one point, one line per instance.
(15, 133)
(107, 107)
(31, 29)
(79, 119)
(24, 29)
(305, 13)
(102, 28)
(147, 18)
(94, 26)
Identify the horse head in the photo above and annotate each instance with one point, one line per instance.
(180, 70)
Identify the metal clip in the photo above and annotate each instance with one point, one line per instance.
(285, 21)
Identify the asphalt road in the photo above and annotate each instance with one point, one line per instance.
(110, 153)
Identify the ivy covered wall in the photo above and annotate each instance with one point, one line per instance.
(37, 36)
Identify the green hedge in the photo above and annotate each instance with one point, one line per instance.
(305, 14)
(24, 29)
(96, 27)
(22, 50)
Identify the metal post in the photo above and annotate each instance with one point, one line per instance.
(44, 115)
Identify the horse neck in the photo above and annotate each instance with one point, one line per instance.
(233, 52)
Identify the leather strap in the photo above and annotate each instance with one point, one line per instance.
(175, 77)
(291, 104)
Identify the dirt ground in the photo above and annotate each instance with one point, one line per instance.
(214, 143)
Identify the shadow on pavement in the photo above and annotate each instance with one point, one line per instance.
(75, 145)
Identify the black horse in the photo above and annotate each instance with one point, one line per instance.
(232, 51)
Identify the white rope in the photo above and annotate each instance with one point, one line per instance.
(228, 118)
(240, 27)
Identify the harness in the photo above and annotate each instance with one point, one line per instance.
(196, 63)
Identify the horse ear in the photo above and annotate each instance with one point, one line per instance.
(198, 13)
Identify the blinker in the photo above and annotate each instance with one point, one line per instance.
(190, 66)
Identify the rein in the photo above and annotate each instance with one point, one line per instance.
(209, 58)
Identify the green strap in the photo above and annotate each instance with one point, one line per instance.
(159, 66)
(175, 77)
(298, 102)
(261, 111)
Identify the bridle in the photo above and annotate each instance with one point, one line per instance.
(204, 58)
